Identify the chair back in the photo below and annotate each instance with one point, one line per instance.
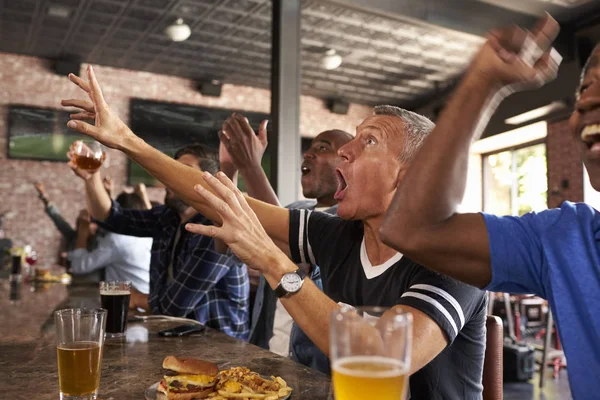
(492, 364)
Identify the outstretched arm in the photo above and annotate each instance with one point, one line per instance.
(309, 307)
(421, 221)
(112, 132)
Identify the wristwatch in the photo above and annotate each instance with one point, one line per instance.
(290, 283)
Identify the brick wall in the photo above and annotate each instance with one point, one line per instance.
(29, 81)
(564, 164)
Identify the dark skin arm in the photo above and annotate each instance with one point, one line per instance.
(422, 221)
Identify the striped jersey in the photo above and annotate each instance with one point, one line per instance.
(338, 247)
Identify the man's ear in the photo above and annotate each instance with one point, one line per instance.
(401, 173)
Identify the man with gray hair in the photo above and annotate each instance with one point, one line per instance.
(357, 268)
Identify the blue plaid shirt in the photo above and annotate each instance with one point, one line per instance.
(207, 286)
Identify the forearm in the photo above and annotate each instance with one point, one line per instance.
(63, 226)
(258, 185)
(435, 182)
(181, 179)
(310, 307)
(98, 200)
(83, 234)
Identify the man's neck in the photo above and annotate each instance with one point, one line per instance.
(327, 201)
(186, 215)
(377, 252)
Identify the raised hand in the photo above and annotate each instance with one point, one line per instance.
(39, 186)
(240, 230)
(108, 128)
(241, 142)
(515, 59)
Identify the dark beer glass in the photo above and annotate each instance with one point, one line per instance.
(115, 300)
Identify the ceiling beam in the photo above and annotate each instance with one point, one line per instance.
(468, 16)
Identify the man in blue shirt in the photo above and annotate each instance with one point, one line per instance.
(554, 254)
(188, 278)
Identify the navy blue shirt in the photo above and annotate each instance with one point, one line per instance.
(206, 286)
(555, 254)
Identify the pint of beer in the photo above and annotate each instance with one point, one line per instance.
(370, 353)
(80, 339)
(115, 296)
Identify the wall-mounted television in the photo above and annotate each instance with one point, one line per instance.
(170, 126)
(36, 133)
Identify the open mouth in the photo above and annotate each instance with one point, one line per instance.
(305, 170)
(342, 186)
(590, 135)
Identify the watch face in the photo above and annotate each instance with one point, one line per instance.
(291, 282)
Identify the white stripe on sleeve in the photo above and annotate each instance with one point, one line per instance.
(310, 252)
(301, 237)
(445, 295)
(436, 304)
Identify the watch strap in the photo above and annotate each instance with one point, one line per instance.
(280, 291)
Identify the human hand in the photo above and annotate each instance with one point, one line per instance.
(240, 229)
(245, 148)
(39, 186)
(83, 219)
(84, 174)
(514, 59)
(108, 128)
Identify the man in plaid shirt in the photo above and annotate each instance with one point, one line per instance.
(188, 278)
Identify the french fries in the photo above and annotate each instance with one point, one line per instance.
(241, 383)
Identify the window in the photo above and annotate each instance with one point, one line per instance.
(515, 181)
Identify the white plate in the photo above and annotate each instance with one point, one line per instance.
(152, 393)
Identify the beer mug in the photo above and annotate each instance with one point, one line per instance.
(87, 155)
(114, 297)
(79, 343)
(370, 353)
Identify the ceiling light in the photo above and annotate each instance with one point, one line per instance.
(59, 11)
(331, 60)
(179, 31)
(536, 113)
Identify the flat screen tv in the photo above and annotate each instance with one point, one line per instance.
(170, 126)
(36, 133)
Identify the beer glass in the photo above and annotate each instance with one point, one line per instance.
(79, 342)
(114, 297)
(370, 353)
(87, 155)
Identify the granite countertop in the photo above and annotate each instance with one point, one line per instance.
(131, 364)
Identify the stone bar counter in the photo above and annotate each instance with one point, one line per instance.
(130, 365)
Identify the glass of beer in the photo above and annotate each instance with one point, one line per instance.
(87, 155)
(79, 338)
(114, 296)
(370, 353)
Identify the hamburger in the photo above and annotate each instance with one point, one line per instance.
(188, 378)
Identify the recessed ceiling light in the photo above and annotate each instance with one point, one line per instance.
(58, 11)
(179, 31)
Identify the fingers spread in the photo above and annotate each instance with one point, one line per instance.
(79, 82)
(83, 116)
(83, 127)
(96, 92)
(206, 230)
(223, 192)
(215, 200)
(83, 104)
(244, 124)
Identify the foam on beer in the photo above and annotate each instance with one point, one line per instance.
(114, 292)
(392, 366)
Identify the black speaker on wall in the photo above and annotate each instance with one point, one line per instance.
(67, 65)
(210, 88)
(338, 106)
